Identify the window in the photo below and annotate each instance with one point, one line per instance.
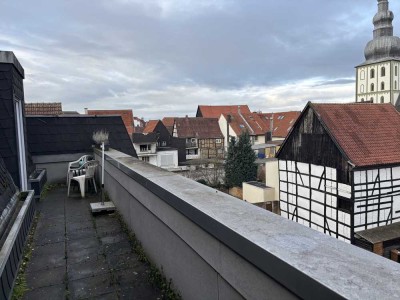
(145, 148)
(372, 99)
(345, 204)
(362, 88)
(256, 138)
(145, 158)
(395, 71)
(372, 73)
(372, 87)
(382, 99)
(218, 141)
(362, 75)
(383, 72)
(382, 86)
(362, 100)
(164, 143)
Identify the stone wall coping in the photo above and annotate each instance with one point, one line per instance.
(310, 264)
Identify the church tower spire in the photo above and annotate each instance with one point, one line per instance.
(378, 77)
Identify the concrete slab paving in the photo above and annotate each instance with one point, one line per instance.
(87, 268)
(55, 276)
(80, 256)
(79, 244)
(51, 292)
(91, 286)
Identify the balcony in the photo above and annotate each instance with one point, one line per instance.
(214, 246)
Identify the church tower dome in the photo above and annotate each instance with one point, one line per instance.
(384, 45)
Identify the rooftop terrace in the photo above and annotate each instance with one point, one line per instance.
(77, 256)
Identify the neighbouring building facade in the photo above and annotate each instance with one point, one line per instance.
(204, 139)
(378, 78)
(234, 124)
(339, 169)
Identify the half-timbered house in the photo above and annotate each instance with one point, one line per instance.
(339, 168)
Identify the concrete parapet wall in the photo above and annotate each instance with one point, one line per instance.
(214, 246)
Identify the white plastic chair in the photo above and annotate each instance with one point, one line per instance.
(78, 164)
(83, 174)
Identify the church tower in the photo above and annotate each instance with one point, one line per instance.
(378, 78)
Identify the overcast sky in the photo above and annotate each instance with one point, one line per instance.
(164, 57)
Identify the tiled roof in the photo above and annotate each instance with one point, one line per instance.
(283, 122)
(73, 134)
(201, 128)
(369, 134)
(150, 126)
(144, 138)
(126, 114)
(250, 122)
(43, 109)
(169, 123)
(210, 111)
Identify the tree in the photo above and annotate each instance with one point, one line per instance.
(240, 163)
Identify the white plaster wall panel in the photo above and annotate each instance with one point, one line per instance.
(317, 196)
(303, 192)
(317, 219)
(317, 207)
(396, 206)
(283, 196)
(317, 170)
(315, 182)
(357, 177)
(331, 186)
(303, 180)
(396, 173)
(303, 168)
(291, 177)
(384, 174)
(291, 199)
(331, 173)
(292, 188)
(291, 209)
(283, 186)
(344, 190)
(282, 165)
(304, 203)
(284, 214)
(331, 225)
(283, 176)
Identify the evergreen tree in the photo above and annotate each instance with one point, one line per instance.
(240, 163)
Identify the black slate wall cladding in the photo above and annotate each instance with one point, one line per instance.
(7, 186)
(63, 135)
(8, 142)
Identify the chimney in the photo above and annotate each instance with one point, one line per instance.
(271, 128)
(86, 110)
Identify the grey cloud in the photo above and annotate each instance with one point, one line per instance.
(145, 52)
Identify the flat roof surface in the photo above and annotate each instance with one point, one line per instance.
(381, 234)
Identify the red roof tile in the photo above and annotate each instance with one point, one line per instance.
(369, 134)
(150, 126)
(282, 122)
(43, 109)
(126, 115)
(249, 122)
(201, 128)
(210, 111)
(169, 123)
